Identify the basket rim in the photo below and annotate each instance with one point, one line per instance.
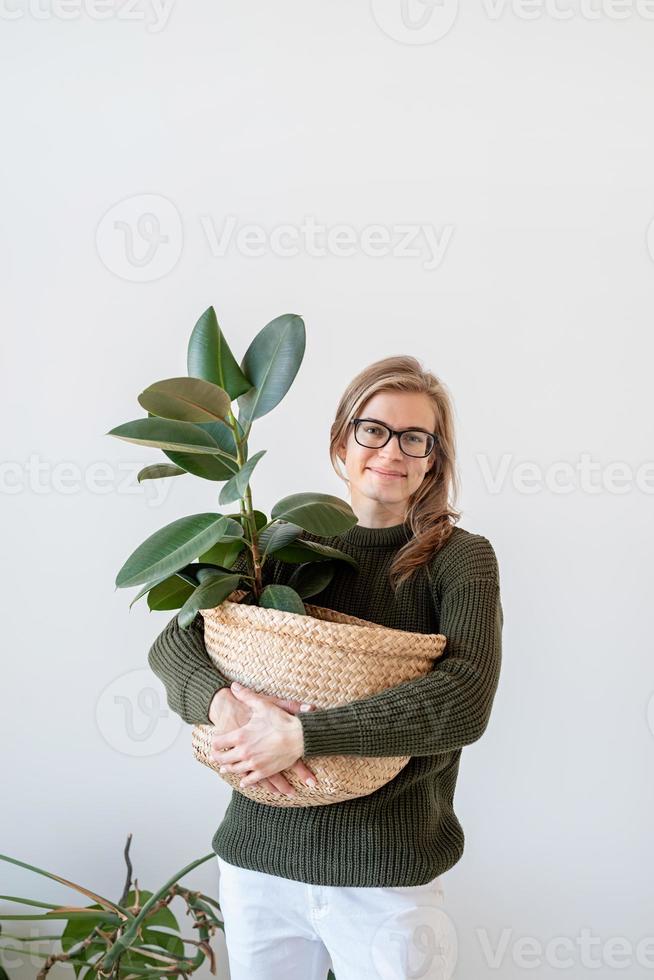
(413, 643)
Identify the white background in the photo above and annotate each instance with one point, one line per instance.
(523, 138)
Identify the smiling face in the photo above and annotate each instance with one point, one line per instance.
(382, 480)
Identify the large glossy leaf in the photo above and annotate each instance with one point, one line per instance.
(278, 535)
(210, 594)
(173, 546)
(216, 468)
(186, 400)
(318, 513)
(314, 551)
(311, 578)
(172, 593)
(271, 362)
(282, 597)
(223, 553)
(159, 470)
(235, 488)
(181, 583)
(167, 434)
(209, 357)
(260, 518)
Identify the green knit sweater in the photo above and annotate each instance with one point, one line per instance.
(405, 832)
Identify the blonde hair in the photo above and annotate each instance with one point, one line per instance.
(430, 513)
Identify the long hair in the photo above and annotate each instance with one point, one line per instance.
(430, 514)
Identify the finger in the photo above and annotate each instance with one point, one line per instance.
(269, 785)
(288, 704)
(235, 767)
(229, 756)
(293, 706)
(304, 772)
(282, 784)
(225, 740)
(251, 777)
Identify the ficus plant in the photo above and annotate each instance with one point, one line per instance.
(189, 563)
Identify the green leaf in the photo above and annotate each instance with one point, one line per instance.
(158, 470)
(164, 940)
(210, 357)
(235, 488)
(78, 930)
(223, 553)
(106, 903)
(186, 400)
(318, 513)
(210, 594)
(303, 551)
(173, 546)
(215, 468)
(260, 518)
(209, 467)
(311, 578)
(167, 434)
(271, 362)
(277, 535)
(282, 597)
(172, 593)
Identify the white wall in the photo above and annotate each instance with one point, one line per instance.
(524, 144)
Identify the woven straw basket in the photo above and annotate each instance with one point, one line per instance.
(326, 658)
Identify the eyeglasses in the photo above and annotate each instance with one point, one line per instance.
(374, 434)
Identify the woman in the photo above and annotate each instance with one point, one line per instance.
(359, 882)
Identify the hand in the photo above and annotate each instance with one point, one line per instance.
(227, 712)
(270, 741)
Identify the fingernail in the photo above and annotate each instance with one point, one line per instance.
(311, 781)
(236, 685)
(222, 769)
(305, 707)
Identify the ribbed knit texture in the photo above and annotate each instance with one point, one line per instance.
(406, 832)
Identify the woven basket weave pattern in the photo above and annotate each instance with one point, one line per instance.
(326, 658)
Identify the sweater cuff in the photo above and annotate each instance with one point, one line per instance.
(331, 731)
(197, 694)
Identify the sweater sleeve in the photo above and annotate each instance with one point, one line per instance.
(450, 706)
(180, 660)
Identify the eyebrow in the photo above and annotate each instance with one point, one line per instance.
(420, 428)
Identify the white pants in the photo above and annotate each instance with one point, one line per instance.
(281, 929)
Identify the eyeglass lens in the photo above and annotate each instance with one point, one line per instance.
(413, 442)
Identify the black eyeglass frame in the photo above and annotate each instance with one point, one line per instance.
(398, 433)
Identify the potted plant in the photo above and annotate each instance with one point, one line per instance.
(214, 564)
(136, 936)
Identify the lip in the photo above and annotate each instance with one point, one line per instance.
(373, 469)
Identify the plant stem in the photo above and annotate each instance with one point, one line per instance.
(247, 512)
